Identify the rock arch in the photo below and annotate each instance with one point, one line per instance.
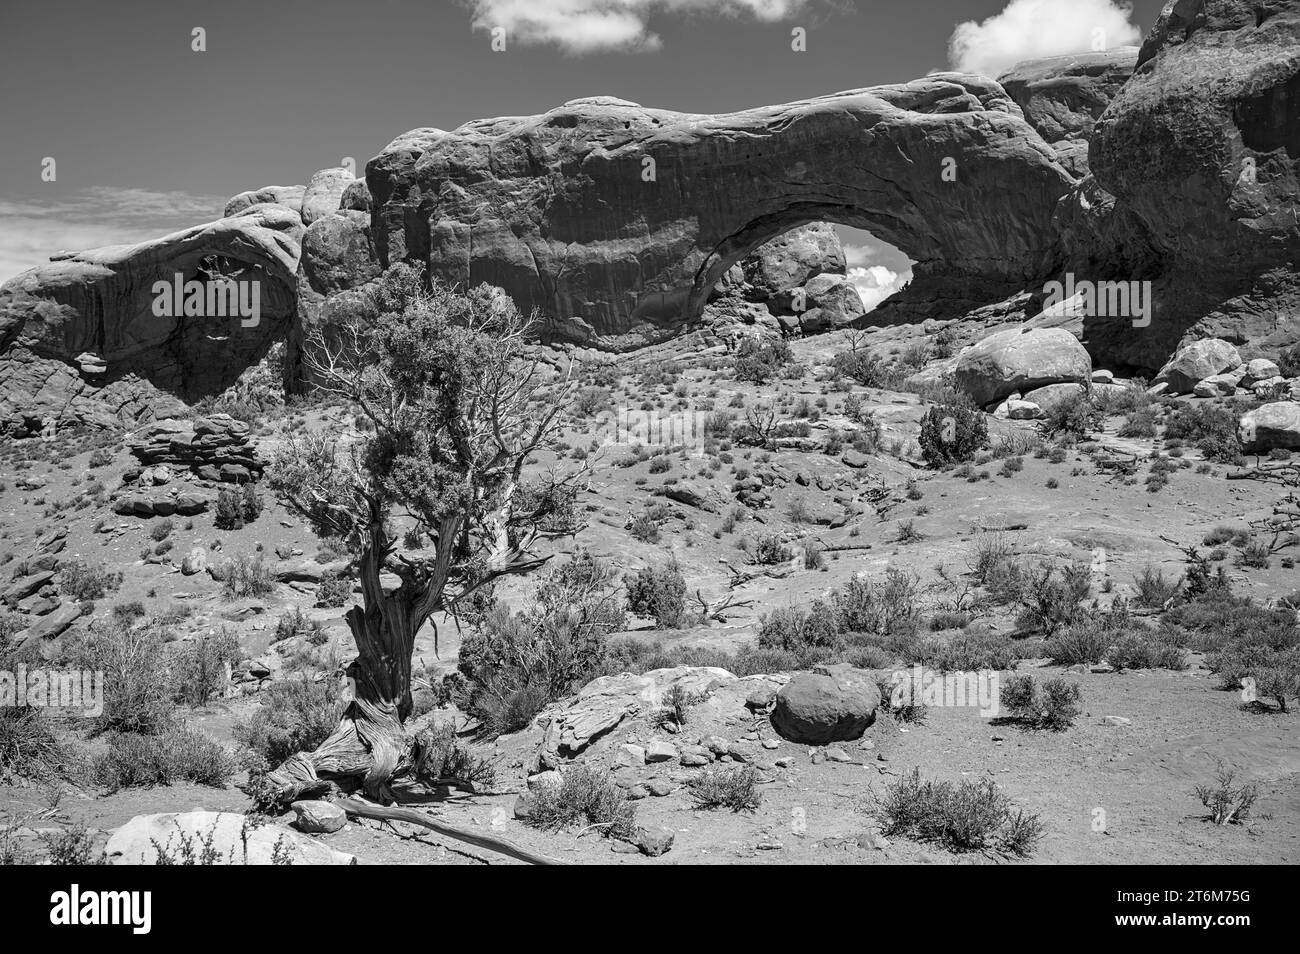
(615, 220)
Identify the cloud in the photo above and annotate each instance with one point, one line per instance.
(875, 283)
(32, 230)
(1028, 29)
(600, 26)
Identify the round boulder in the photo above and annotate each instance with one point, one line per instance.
(835, 704)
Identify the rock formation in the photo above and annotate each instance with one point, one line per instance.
(1201, 148)
(616, 220)
(82, 339)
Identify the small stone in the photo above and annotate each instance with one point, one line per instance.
(695, 760)
(784, 761)
(660, 787)
(837, 755)
(770, 846)
(318, 817)
(524, 806)
(1118, 720)
(660, 752)
(742, 751)
(625, 848)
(654, 841)
(770, 744)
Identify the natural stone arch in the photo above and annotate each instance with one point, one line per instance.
(556, 208)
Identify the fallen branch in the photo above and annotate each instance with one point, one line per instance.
(361, 808)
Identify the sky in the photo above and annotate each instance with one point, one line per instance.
(149, 135)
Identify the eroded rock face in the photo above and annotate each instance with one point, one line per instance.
(1062, 96)
(1202, 147)
(624, 217)
(289, 197)
(81, 339)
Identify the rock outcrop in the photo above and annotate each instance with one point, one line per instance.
(1197, 362)
(617, 220)
(1201, 147)
(89, 339)
(217, 447)
(1062, 96)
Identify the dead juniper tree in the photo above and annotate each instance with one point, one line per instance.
(457, 406)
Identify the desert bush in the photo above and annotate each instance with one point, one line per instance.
(515, 664)
(770, 549)
(1153, 590)
(295, 715)
(71, 846)
(1139, 423)
(29, 747)
(82, 581)
(1142, 648)
(199, 667)
(972, 651)
(334, 590)
(1049, 595)
(176, 755)
(951, 434)
(759, 362)
(966, 816)
(1255, 555)
(229, 514)
(439, 755)
(1053, 704)
(797, 630)
(1212, 428)
(247, 576)
(658, 592)
(865, 368)
(733, 787)
(1288, 362)
(1228, 803)
(645, 528)
(1072, 418)
(137, 683)
(584, 795)
(295, 622)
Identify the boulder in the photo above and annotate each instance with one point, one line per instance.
(1269, 426)
(1050, 395)
(790, 260)
(1216, 385)
(1019, 360)
(324, 193)
(229, 834)
(289, 197)
(1196, 362)
(196, 561)
(835, 704)
(316, 817)
(1258, 369)
(832, 301)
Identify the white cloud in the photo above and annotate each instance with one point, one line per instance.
(875, 283)
(33, 230)
(1028, 29)
(595, 26)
